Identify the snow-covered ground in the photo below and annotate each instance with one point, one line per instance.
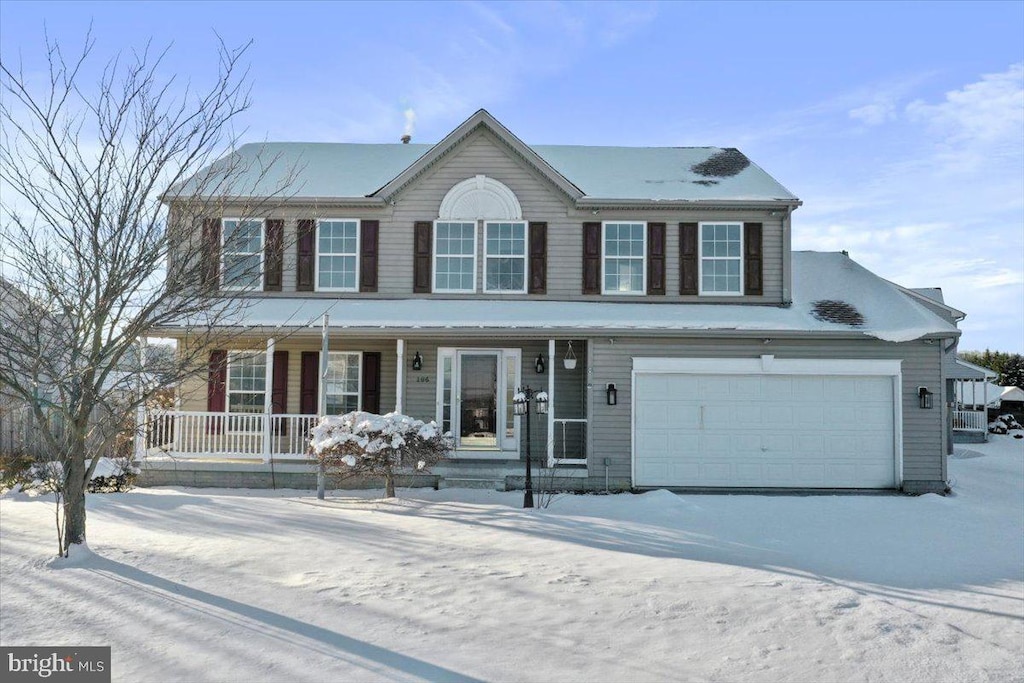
(216, 585)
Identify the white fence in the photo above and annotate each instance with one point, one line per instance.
(970, 420)
(246, 436)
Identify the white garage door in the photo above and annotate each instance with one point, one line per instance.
(767, 430)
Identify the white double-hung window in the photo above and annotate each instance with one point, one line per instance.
(455, 256)
(623, 247)
(343, 382)
(337, 260)
(247, 381)
(505, 257)
(721, 249)
(242, 253)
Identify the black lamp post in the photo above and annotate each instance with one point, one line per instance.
(521, 406)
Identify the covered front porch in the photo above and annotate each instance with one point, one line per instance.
(258, 402)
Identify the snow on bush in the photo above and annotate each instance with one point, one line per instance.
(359, 443)
(1010, 421)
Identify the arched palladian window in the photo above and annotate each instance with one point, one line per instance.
(475, 205)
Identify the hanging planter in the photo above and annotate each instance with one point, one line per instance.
(570, 359)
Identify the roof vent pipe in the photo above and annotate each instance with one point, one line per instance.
(406, 139)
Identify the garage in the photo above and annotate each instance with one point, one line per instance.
(766, 423)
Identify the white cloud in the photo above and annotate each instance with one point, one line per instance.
(874, 114)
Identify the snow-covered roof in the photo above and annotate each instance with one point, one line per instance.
(963, 370)
(298, 170)
(1012, 394)
(887, 313)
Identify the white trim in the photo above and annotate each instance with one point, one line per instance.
(268, 401)
(524, 257)
(434, 257)
(551, 403)
(700, 259)
(778, 366)
(316, 254)
(769, 365)
(479, 198)
(262, 254)
(642, 257)
(400, 375)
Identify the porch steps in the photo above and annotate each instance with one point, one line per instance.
(471, 483)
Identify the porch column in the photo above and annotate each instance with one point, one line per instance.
(321, 395)
(268, 379)
(400, 375)
(551, 402)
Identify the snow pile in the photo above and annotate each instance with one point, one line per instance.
(1003, 424)
(369, 432)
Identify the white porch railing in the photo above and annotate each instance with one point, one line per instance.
(970, 420)
(196, 434)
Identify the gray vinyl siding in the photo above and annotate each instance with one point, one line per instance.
(483, 154)
(923, 430)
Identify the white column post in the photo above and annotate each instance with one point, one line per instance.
(140, 432)
(551, 402)
(268, 396)
(321, 398)
(400, 376)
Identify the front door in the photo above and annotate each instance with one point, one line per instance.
(475, 388)
(478, 399)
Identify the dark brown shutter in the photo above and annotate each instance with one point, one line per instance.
(753, 261)
(279, 393)
(538, 258)
(422, 251)
(216, 396)
(422, 248)
(688, 258)
(305, 252)
(309, 382)
(591, 258)
(371, 382)
(210, 270)
(368, 246)
(655, 258)
(274, 256)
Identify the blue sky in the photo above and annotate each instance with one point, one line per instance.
(901, 126)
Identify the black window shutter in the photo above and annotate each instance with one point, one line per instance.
(369, 236)
(591, 258)
(655, 258)
(538, 258)
(371, 381)
(688, 258)
(753, 261)
(422, 248)
(210, 269)
(309, 382)
(274, 256)
(305, 252)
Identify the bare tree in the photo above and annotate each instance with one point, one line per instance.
(87, 239)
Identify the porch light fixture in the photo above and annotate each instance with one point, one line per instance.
(924, 397)
(539, 365)
(613, 395)
(417, 362)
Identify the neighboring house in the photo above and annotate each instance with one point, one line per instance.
(1012, 400)
(708, 354)
(973, 394)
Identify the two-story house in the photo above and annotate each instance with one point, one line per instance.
(652, 293)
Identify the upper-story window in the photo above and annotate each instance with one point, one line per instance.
(454, 256)
(337, 262)
(242, 253)
(505, 257)
(624, 246)
(721, 249)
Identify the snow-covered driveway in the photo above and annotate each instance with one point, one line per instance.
(214, 585)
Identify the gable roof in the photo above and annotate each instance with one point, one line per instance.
(373, 173)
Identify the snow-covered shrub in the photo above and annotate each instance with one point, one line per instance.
(1010, 421)
(374, 445)
(113, 475)
(997, 427)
